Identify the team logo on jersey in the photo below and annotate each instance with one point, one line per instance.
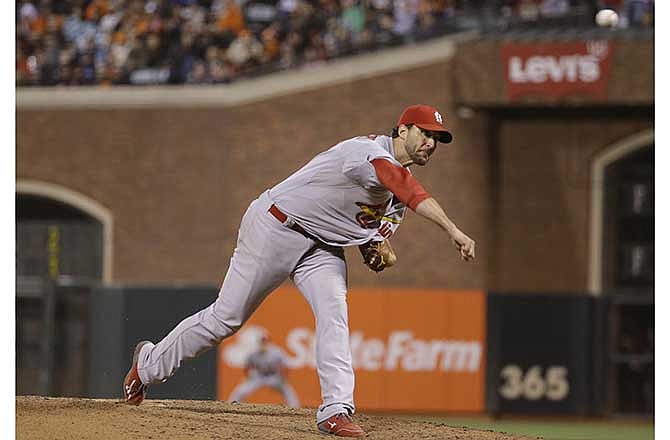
(371, 216)
(382, 216)
(438, 117)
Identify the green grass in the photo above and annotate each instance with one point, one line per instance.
(555, 430)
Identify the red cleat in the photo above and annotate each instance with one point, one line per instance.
(341, 425)
(134, 391)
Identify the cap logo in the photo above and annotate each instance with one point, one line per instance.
(438, 117)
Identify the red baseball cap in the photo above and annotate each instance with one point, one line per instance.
(428, 118)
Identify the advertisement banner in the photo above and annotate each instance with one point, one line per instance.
(420, 350)
(557, 70)
(539, 353)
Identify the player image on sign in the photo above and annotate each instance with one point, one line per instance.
(353, 194)
(265, 366)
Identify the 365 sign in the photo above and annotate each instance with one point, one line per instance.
(557, 70)
(540, 354)
(534, 383)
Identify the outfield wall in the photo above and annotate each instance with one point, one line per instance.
(413, 350)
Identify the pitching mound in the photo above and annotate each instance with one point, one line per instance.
(39, 418)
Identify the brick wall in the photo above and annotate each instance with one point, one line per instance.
(179, 180)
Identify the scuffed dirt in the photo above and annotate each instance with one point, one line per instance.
(51, 418)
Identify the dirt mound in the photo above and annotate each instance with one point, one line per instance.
(55, 418)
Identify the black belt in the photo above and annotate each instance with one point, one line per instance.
(283, 217)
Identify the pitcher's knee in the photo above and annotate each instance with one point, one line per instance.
(225, 326)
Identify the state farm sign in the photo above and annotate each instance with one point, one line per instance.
(411, 349)
(401, 350)
(557, 70)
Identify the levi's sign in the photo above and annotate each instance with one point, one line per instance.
(557, 70)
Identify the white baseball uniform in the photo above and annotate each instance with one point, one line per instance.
(265, 367)
(337, 200)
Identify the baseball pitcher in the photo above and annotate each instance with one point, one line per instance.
(354, 194)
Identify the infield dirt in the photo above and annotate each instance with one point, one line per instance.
(55, 418)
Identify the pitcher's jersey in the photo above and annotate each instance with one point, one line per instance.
(337, 196)
(267, 362)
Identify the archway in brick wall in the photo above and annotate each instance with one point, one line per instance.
(615, 153)
(622, 270)
(61, 233)
(63, 248)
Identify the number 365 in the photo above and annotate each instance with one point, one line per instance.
(532, 385)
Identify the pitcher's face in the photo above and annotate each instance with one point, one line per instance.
(420, 144)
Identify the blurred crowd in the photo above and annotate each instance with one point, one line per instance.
(81, 42)
(106, 42)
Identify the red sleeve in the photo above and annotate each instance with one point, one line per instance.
(400, 182)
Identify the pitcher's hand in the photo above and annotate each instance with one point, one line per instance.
(465, 245)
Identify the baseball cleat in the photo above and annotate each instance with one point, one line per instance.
(341, 425)
(134, 391)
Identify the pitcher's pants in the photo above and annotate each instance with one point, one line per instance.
(267, 253)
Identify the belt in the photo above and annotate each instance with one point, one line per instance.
(276, 213)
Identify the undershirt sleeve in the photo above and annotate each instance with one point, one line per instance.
(400, 182)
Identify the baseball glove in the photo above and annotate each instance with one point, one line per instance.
(378, 255)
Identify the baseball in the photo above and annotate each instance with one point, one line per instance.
(607, 18)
